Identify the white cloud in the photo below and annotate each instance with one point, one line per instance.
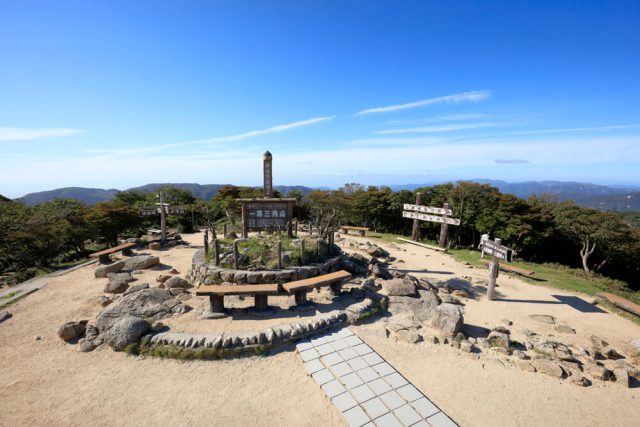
(229, 138)
(395, 141)
(23, 134)
(438, 119)
(567, 130)
(441, 128)
(456, 98)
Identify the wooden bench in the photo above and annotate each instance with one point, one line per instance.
(300, 287)
(216, 294)
(511, 268)
(360, 230)
(103, 256)
(620, 302)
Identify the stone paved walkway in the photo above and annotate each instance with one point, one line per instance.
(363, 386)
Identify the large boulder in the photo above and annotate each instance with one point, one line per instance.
(399, 287)
(419, 310)
(176, 282)
(72, 330)
(448, 318)
(140, 262)
(380, 270)
(136, 288)
(548, 367)
(104, 270)
(378, 252)
(127, 330)
(151, 304)
(403, 331)
(126, 277)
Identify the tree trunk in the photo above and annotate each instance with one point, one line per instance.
(586, 250)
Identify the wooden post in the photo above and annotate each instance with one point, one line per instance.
(415, 232)
(206, 244)
(319, 247)
(224, 230)
(163, 219)
(494, 268)
(216, 303)
(336, 288)
(216, 251)
(301, 297)
(444, 229)
(296, 228)
(261, 302)
(330, 249)
(310, 228)
(245, 221)
(235, 255)
(302, 260)
(279, 254)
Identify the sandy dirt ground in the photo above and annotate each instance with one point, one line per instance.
(47, 382)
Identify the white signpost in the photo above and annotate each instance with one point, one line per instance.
(432, 214)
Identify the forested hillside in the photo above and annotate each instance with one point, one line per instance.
(539, 229)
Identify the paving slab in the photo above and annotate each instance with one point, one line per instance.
(365, 388)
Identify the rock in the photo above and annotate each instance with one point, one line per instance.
(141, 262)
(543, 318)
(357, 293)
(379, 270)
(564, 329)
(525, 366)
(136, 288)
(4, 315)
(548, 367)
(449, 299)
(399, 287)
(185, 296)
(403, 332)
(415, 309)
(378, 252)
(622, 377)
(151, 303)
(579, 380)
(154, 246)
(466, 346)
(86, 346)
(501, 350)
(91, 333)
(520, 355)
(598, 342)
(506, 322)
(461, 293)
(104, 301)
(126, 330)
(177, 282)
(176, 291)
(498, 339)
(163, 278)
(72, 330)
(37, 338)
(121, 277)
(104, 270)
(502, 329)
(174, 271)
(207, 315)
(448, 318)
(116, 287)
(612, 353)
(598, 372)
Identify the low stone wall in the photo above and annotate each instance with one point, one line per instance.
(206, 273)
(230, 343)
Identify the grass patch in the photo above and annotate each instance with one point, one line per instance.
(24, 294)
(10, 295)
(182, 353)
(557, 276)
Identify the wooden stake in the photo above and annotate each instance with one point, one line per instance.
(216, 251)
(302, 260)
(494, 268)
(279, 254)
(206, 243)
(444, 229)
(235, 255)
(319, 247)
(224, 230)
(415, 232)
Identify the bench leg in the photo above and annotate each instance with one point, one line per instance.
(261, 302)
(361, 232)
(336, 288)
(104, 259)
(301, 297)
(216, 303)
(127, 252)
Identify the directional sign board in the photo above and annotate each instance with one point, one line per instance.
(431, 218)
(499, 251)
(427, 209)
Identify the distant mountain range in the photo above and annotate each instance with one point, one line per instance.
(96, 195)
(612, 198)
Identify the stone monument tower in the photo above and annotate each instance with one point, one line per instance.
(267, 164)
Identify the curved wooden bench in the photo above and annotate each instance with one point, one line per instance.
(300, 287)
(103, 256)
(361, 230)
(216, 294)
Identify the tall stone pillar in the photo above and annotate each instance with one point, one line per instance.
(267, 163)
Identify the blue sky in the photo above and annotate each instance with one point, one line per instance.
(118, 94)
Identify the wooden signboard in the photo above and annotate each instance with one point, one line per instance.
(496, 250)
(431, 218)
(427, 209)
(266, 215)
